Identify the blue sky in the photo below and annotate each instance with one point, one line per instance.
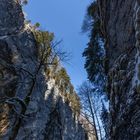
(64, 18)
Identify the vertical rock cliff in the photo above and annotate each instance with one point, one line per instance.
(34, 104)
(120, 23)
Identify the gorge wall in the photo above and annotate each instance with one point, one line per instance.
(120, 23)
(34, 104)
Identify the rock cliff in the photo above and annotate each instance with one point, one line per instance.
(120, 23)
(34, 104)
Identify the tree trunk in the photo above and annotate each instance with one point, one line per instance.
(93, 117)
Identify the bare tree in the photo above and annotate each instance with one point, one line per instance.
(48, 49)
(86, 92)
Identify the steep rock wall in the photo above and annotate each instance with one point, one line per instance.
(32, 106)
(120, 23)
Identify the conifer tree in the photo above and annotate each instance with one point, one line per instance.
(94, 53)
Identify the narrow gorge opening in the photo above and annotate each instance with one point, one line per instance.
(69, 70)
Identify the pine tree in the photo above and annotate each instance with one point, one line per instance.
(94, 53)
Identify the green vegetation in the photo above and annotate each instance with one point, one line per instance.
(49, 52)
(63, 80)
(96, 65)
(75, 102)
(49, 57)
(37, 25)
(67, 91)
(94, 53)
(44, 41)
(43, 37)
(62, 75)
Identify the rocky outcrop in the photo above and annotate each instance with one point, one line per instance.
(32, 106)
(120, 26)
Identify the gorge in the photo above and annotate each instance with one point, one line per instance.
(37, 98)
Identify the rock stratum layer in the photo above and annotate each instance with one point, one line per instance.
(32, 106)
(121, 28)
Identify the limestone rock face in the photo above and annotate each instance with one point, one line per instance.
(121, 27)
(31, 105)
(11, 17)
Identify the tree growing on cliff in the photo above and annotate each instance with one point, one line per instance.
(94, 53)
(95, 58)
(49, 51)
(48, 55)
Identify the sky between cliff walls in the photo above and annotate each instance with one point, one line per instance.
(64, 18)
